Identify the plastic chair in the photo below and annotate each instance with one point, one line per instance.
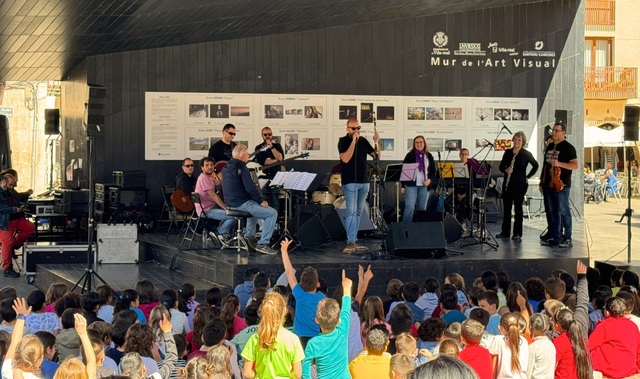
(613, 188)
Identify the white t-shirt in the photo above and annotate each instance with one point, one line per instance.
(500, 348)
(542, 358)
(179, 322)
(7, 371)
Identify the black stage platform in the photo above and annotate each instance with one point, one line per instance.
(206, 267)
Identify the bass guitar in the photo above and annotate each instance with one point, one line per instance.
(259, 170)
(181, 201)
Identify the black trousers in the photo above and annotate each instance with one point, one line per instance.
(513, 198)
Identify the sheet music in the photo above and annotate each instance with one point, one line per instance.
(293, 180)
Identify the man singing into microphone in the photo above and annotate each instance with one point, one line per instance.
(353, 157)
(269, 152)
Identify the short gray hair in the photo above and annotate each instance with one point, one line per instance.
(238, 151)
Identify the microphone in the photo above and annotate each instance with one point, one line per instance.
(438, 154)
(505, 127)
(488, 142)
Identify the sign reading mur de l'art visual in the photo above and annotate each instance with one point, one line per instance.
(446, 53)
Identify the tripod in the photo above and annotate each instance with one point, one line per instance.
(377, 215)
(483, 237)
(89, 273)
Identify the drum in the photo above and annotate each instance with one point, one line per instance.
(340, 203)
(323, 197)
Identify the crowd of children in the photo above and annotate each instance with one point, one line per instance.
(564, 326)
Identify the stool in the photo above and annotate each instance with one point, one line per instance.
(241, 242)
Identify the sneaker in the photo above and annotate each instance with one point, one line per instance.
(11, 273)
(350, 248)
(565, 243)
(360, 247)
(549, 242)
(265, 249)
(252, 242)
(500, 235)
(516, 237)
(225, 238)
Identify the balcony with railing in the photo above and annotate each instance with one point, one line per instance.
(610, 82)
(600, 15)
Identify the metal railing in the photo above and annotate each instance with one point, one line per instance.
(610, 82)
(600, 15)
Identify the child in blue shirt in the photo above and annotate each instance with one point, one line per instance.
(306, 295)
(329, 349)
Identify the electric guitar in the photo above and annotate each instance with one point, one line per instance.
(259, 170)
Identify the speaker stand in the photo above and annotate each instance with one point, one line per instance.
(484, 237)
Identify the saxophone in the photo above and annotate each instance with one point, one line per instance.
(513, 161)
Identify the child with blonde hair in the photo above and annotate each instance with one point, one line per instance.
(197, 368)
(273, 351)
(542, 352)
(219, 360)
(510, 352)
(25, 354)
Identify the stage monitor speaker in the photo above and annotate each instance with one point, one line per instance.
(452, 229)
(329, 217)
(417, 240)
(564, 116)
(630, 123)
(51, 121)
(365, 220)
(95, 106)
(310, 232)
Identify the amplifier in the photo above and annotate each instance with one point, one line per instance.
(71, 201)
(104, 187)
(128, 197)
(130, 179)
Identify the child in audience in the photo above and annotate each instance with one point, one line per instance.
(197, 368)
(118, 336)
(410, 294)
(179, 320)
(430, 334)
(38, 319)
(306, 295)
(213, 297)
(56, 291)
(130, 299)
(48, 366)
(244, 290)
(140, 339)
(103, 331)
(453, 332)
(8, 315)
(272, 352)
(371, 313)
(394, 291)
(203, 316)
(102, 371)
(329, 349)
(407, 344)
(106, 298)
(213, 336)
(219, 359)
(374, 364)
(449, 347)
(148, 297)
(73, 368)
(90, 305)
(25, 354)
(489, 301)
(187, 301)
(457, 281)
(535, 292)
(554, 288)
(401, 366)
(132, 365)
(155, 318)
(510, 351)
(448, 303)
(429, 299)
(67, 341)
(182, 349)
(630, 303)
(615, 336)
(229, 314)
(490, 283)
(615, 277)
(401, 321)
(572, 357)
(542, 352)
(252, 318)
(482, 317)
(473, 354)
(597, 314)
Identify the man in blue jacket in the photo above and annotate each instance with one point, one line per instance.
(241, 193)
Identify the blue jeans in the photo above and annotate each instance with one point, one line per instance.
(355, 195)
(559, 213)
(415, 197)
(268, 214)
(226, 223)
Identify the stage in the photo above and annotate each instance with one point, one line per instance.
(205, 266)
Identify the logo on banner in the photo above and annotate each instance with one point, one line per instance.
(495, 48)
(440, 41)
(468, 48)
(538, 52)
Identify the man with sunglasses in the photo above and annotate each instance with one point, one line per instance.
(353, 157)
(186, 181)
(269, 152)
(560, 153)
(221, 150)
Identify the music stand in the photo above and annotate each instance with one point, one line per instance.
(392, 174)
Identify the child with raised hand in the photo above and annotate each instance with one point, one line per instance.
(542, 352)
(329, 349)
(510, 352)
(73, 368)
(273, 352)
(25, 354)
(306, 295)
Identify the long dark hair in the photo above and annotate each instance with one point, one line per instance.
(230, 307)
(124, 300)
(147, 292)
(564, 319)
(512, 297)
(185, 293)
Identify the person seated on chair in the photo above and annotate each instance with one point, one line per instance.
(186, 180)
(242, 194)
(211, 203)
(20, 196)
(462, 206)
(14, 228)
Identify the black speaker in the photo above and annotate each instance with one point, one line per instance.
(631, 116)
(417, 240)
(51, 121)
(310, 232)
(5, 146)
(452, 229)
(564, 116)
(95, 106)
(329, 218)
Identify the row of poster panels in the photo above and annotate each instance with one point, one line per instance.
(179, 125)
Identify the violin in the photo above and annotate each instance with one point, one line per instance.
(555, 183)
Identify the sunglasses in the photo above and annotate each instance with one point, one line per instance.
(267, 135)
(356, 128)
(230, 133)
(188, 165)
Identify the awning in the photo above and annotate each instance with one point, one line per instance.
(603, 111)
